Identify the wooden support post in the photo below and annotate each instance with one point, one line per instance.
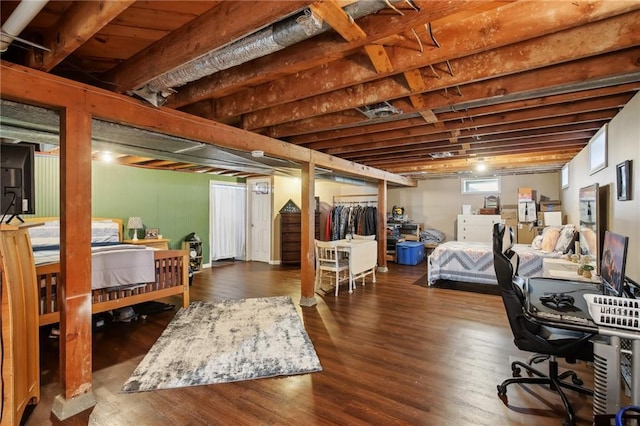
(382, 226)
(75, 259)
(307, 258)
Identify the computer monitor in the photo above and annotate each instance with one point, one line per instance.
(17, 183)
(614, 257)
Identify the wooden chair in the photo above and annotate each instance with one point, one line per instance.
(330, 263)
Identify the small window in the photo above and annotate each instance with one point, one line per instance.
(480, 185)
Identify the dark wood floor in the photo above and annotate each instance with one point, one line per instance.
(394, 352)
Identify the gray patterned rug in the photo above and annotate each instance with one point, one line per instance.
(228, 341)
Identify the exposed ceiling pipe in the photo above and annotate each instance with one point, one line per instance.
(18, 21)
(264, 42)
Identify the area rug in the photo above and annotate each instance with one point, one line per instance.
(227, 341)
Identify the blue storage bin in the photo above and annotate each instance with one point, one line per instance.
(409, 252)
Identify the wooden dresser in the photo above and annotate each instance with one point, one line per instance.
(291, 236)
(477, 227)
(159, 243)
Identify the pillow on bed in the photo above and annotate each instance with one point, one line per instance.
(565, 239)
(537, 242)
(549, 239)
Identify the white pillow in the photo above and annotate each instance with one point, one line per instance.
(537, 242)
(565, 239)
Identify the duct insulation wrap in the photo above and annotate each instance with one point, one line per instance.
(264, 42)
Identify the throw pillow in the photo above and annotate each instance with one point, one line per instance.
(537, 242)
(565, 239)
(549, 239)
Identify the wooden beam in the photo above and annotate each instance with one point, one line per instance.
(24, 84)
(551, 115)
(579, 71)
(75, 252)
(338, 19)
(613, 34)
(210, 30)
(515, 26)
(80, 22)
(462, 116)
(312, 53)
(381, 212)
(307, 243)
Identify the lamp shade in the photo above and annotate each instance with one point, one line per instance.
(134, 223)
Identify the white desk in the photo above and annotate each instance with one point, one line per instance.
(566, 270)
(363, 259)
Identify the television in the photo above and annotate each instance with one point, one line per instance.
(17, 183)
(612, 265)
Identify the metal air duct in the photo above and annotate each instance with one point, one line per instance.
(264, 42)
(18, 21)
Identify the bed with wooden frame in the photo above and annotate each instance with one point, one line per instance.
(171, 277)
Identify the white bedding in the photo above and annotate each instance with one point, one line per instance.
(111, 265)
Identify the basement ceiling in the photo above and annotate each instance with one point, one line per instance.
(420, 88)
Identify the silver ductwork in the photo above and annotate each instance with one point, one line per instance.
(264, 42)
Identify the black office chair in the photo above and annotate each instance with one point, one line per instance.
(532, 337)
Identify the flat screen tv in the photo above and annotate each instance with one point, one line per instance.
(612, 265)
(17, 183)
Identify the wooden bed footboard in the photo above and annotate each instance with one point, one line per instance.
(171, 278)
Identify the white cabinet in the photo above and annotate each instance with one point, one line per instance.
(477, 227)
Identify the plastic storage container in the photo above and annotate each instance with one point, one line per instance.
(409, 252)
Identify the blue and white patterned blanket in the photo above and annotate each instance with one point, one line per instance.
(473, 262)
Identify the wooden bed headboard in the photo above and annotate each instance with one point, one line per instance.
(93, 219)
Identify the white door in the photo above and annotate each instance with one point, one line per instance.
(259, 219)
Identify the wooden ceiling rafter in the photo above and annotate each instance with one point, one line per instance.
(467, 114)
(539, 116)
(560, 49)
(306, 55)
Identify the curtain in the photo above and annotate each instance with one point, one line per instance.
(228, 206)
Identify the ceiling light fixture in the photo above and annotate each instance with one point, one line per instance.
(257, 154)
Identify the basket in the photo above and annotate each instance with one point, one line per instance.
(612, 311)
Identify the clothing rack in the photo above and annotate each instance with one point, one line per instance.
(353, 202)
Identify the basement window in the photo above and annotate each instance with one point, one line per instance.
(480, 185)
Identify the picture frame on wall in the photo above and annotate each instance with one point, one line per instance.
(623, 180)
(598, 151)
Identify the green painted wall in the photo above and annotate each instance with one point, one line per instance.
(175, 202)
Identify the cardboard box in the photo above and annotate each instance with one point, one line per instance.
(508, 214)
(525, 194)
(551, 206)
(526, 234)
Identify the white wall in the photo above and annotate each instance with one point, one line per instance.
(437, 202)
(623, 216)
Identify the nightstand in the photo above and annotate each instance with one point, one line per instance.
(159, 243)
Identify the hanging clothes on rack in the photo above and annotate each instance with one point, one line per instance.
(348, 217)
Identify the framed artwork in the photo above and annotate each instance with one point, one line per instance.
(564, 176)
(623, 180)
(598, 151)
(151, 233)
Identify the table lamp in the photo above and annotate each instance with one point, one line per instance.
(134, 223)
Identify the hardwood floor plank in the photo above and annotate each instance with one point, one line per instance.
(393, 352)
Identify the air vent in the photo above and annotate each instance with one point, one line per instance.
(383, 109)
(445, 154)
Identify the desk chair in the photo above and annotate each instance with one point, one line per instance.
(331, 263)
(533, 337)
